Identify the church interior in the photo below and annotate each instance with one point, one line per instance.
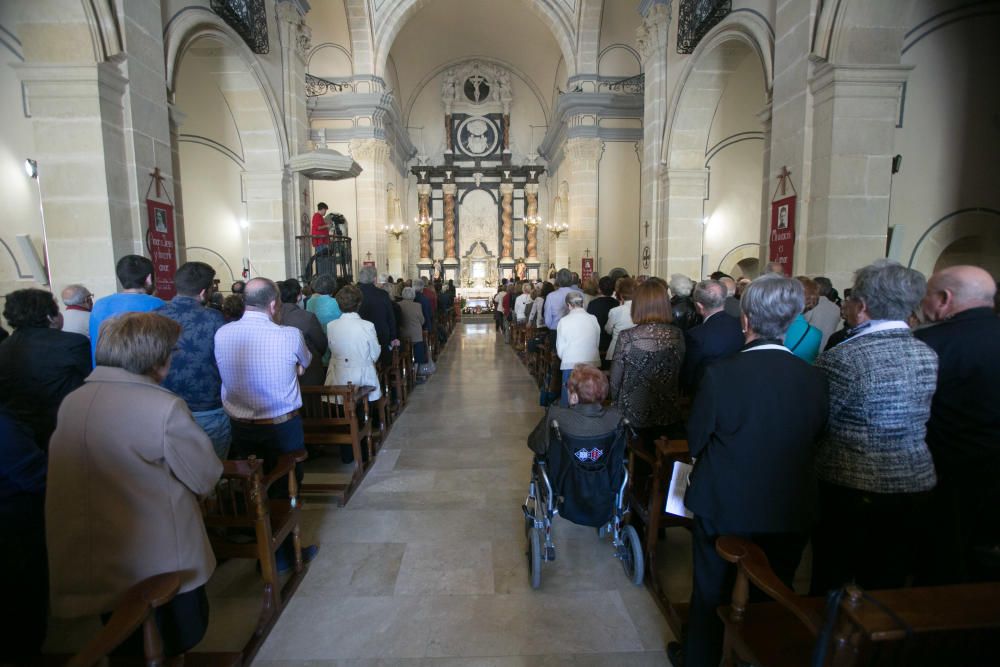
(472, 143)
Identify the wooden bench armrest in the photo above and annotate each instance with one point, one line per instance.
(283, 466)
(131, 611)
(753, 563)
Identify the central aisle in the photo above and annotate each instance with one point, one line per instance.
(426, 564)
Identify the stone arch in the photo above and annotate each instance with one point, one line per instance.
(981, 223)
(397, 14)
(861, 32)
(359, 24)
(737, 257)
(105, 32)
(702, 82)
(193, 24)
(589, 37)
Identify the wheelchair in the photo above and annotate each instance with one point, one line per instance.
(583, 479)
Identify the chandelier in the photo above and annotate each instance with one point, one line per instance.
(396, 230)
(533, 221)
(422, 221)
(557, 229)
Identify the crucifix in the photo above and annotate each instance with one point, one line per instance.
(647, 228)
(368, 256)
(783, 178)
(158, 178)
(586, 253)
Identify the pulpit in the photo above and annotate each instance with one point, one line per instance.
(333, 259)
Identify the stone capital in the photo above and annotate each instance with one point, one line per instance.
(506, 188)
(651, 35)
(584, 151)
(448, 188)
(830, 81)
(370, 150)
(531, 188)
(687, 182)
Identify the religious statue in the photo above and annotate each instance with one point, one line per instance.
(448, 86)
(438, 270)
(520, 269)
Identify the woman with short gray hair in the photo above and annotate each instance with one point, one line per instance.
(755, 460)
(684, 314)
(874, 465)
(412, 326)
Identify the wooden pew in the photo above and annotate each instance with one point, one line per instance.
(134, 610)
(330, 417)
(649, 478)
(939, 625)
(241, 503)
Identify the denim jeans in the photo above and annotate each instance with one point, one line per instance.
(215, 424)
(564, 393)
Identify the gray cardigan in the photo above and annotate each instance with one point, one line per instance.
(881, 386)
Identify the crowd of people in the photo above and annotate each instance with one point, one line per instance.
(115, 416)
(867, 426)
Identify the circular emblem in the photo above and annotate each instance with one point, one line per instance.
(645, 257)
(478, 136)
(476, 89)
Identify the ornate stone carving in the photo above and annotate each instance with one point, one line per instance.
(449, 220)
(474, 85)
(370, 150)
(507, 220)
(584, 152)
(651, 35)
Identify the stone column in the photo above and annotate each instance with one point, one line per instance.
(76, 114)
(424, 211)
(372, 155)
(296, 42)
(855, 109)
(651, 42)
(176, 120)
(686, 191)
(507, 223)
(531, 206)
(583, 154)
(450, 190)
(767, 188)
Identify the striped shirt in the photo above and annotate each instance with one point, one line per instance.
(258, 362)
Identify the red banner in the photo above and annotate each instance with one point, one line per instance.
(782, 243)
(161, 242)
(587, 269)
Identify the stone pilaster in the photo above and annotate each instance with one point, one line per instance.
(450, 190)
(531, 206)
(855, 109)
(372, 155)
(686, 191)
(506, 222)
(264, 194)
(76, 114)
(176, 120)
(424, 211)
(766, 188)
(651, 42)
(583, 155)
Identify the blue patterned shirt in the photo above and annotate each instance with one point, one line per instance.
(193, 374)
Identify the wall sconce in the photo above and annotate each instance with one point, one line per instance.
(557, 229)
(396, 231)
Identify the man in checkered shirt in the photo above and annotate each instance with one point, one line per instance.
(260, 362)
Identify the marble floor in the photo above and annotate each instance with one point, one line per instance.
(426, 564)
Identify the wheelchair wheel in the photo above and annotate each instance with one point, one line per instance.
(631, 555)
(535, 559)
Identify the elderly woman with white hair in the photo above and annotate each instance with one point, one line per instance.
(577, 337)
(681, 304)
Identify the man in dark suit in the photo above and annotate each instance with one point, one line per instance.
(963, 432)
(376, 307)
(308, 324)
(754, 475)
(717, 337)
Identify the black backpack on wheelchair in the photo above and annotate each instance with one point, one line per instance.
(586, 472)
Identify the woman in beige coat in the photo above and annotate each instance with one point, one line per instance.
(127, 464)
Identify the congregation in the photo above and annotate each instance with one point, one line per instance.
(871, 417)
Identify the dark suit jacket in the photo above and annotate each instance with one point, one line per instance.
(719, 337)
(755, 459)
(964, 428)
(599, 308)
(38, 368)
(376, 307)
(312, 331)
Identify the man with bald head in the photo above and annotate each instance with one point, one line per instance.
(260, 362)
(964, 429)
